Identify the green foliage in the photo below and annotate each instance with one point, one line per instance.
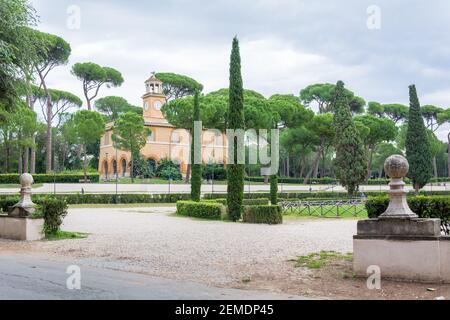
(17, 52)
(89, 126)
(291, 113)
(94, 77)
(351, 160)
(396, 112)
(418, 149)
(176, 86)
(263, 214)
(274, 189)
(324, 95)
(113, 107)
(196, 153)
(236, 121)
(167, 169)
(202, 210)
(214, 171)
(437, 207)
(54, 211)
(130, 134)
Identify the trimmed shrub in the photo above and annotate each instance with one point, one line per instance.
(263, 214)
(246, 202)
(274, 189)
(77, 198)
(424, 206)
(54, 211)
(50, 178)
(202, 210)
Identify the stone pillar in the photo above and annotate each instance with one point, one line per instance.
(20, 224)
(397, 167)
(403, 246)
(25, 207)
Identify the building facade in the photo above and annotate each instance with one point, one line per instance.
(164, 142)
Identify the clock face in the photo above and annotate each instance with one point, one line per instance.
(158, 105)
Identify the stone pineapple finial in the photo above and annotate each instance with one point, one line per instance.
(397, 167)
(25, 207)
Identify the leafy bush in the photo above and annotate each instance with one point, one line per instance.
(50, 178)
(214, 171)
(263, 214)
(424, 206)
(168, 169)
(54, 211)
(170, 173)
(202, 210)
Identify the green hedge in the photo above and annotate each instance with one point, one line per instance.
(371, 182)
(424, 206)
(202, 210)
(50, 178)
(76, 198)
(267, 214)
(246, 202)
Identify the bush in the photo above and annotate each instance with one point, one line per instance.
(263, 214)
(424, 206)
(170, 173)
(50, 178)
(214, 171)
(202, 210)
(54, 211)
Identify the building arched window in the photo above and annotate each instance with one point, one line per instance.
(124, 167)
(106, 168)
(115, 167)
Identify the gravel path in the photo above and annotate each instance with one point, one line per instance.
(154, 242)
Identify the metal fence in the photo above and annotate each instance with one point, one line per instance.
(353, 207)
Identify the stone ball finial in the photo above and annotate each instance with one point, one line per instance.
(396, 167)
(26, 180)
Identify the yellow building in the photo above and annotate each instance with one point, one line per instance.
(165, 141)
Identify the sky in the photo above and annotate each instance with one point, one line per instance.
(378, 47)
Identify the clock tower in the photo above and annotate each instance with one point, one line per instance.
(154, 99)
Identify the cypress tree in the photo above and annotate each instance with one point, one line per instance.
(418, 149)
(235, 171)
(351, 160)
(274, 189)
(196, 177)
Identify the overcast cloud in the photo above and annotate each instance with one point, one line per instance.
(285, 44)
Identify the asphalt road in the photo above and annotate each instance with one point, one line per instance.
(26, 278)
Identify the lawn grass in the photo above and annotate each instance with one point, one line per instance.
(64, 235)
(320, 260)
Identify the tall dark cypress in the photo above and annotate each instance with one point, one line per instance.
(236, 119)
(196, 178)
(351, 160)
(418, 149)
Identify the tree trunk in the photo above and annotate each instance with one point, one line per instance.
(315, 165)
(288, 166)
(49, 146)
(26, 160)
(132, 169)
(435, 167)
(85, 163)
(20, 162)
(369, 165)
(33, 157)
